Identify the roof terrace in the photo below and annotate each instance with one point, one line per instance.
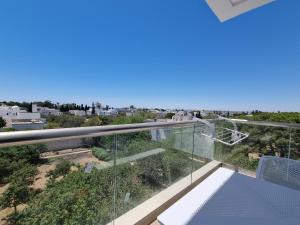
(161, 173)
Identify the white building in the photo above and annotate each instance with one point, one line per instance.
(103, 112)
(182, 116)
(78, 112)
(14, 112)
(20, 119)
(45, 111)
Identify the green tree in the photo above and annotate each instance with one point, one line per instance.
(2, 122)
(13, 159)
(65, 121)
(169, 115)
(61, 169)
(17, 193)
(93, 109)
(92, 121)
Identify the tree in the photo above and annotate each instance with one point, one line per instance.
(17, 193)
(169, 115)
(98, 105)
(30, 107)
(46, 103)
(61, 169)
(132, 107)
(93, 109)
(92, 121)
(65, 121)
(198, 115)
(2, 122)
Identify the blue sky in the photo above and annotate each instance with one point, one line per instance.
(153, 53)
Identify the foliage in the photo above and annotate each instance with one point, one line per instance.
(25, 105)
(7, 129)
(92, 121)
(83, 198)
(169, 115)
(15, 158)
(23, 171)
(2, 122)
(29, 153)
(101, 154)
(61, 169)
(210, 115)
(46, 103)
(262, 140)
(293, 117)
(64, 121)
(18, 191)
(129, 119)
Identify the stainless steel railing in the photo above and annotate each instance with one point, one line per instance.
(38, 136)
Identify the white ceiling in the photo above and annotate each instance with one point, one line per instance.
(227, 9)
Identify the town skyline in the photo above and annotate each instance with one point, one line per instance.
(111, 105)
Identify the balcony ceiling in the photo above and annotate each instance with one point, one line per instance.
(227, 9)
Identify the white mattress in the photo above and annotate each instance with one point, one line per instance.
(183, 210)
(229, 198)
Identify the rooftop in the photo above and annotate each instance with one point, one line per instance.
(164, 173)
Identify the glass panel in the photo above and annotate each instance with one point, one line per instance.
(262, 140)
(295, 144)
(149, 162)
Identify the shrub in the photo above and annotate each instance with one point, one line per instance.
(101, 154)
(2, 122)
(61, 169)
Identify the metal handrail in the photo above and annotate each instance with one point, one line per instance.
(269, 124)
(39, 136)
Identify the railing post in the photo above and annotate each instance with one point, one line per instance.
(115, 178)
(193, 150)
(289, 156)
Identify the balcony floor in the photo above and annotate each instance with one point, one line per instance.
(229, 198)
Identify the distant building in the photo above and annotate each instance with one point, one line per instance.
(103, 112)
(182, 116)
(159, 113)
(20, 119)
(78, 112)
(45, 111)
(109, 112)
(14, 112)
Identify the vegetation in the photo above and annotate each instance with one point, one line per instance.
(87, 198)
(92, 121)
(293, 117)
(14, 159)
(61, 169)
(2, 122)
(138, 117)
(101, 154)
(262, 140)
(169, 115)
(7, 129)
(19, 190)
(65, 121)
